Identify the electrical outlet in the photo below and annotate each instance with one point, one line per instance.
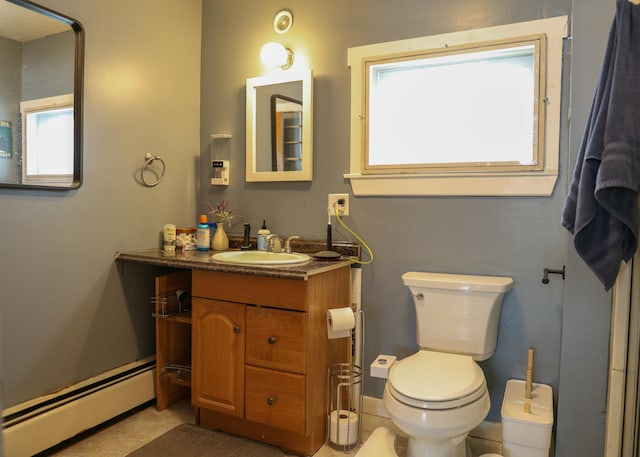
(342, 208)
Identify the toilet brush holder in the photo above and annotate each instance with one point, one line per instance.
(526, 422)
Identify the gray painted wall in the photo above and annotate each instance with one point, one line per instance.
(56, 54)
(518, 237)
(68, 312)
(586, 312)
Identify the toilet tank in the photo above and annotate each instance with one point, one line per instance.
(457, 313)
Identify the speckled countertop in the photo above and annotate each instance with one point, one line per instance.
(202, 260)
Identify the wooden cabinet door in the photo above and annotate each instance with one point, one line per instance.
(218, 356)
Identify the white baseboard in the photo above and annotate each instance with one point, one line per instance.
(374, 406)
(487, 430)
(36, 425)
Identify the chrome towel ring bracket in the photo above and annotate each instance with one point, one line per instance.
(149, 159)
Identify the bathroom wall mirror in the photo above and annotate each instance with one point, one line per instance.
(42, 54)
(279, 127)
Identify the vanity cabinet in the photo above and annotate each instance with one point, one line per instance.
(261, 354)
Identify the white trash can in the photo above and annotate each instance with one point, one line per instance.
(526, 434)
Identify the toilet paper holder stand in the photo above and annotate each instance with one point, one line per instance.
(344, 394)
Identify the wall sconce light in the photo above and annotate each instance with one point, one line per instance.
(276, 55)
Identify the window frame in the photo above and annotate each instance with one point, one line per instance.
(473, 180)
(41, 105)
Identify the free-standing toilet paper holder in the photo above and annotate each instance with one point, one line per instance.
(344, 395)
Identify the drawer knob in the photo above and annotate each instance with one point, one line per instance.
(272, 340)
(271, 401)
(236, 329)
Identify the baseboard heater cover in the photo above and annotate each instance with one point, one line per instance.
(37, 425)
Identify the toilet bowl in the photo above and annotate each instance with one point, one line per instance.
(436, 399)
(439, 394)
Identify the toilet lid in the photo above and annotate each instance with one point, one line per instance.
(436, 380)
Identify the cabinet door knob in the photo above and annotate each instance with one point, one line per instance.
(271, 401)
(236, 329)
(272, 340)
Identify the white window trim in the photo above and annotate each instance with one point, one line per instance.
(41, 104)
(521, 183)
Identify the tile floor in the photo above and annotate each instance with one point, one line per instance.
(123, 436)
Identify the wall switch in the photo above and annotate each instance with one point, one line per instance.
(220, 173)
(381, 365)
(342, 208)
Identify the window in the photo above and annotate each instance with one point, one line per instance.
(468, 113)
(47, 134)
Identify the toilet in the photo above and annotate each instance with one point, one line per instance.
(439, 394)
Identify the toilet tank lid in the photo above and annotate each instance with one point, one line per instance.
(457, 281)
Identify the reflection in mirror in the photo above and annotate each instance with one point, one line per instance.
(286, 133)
(40, 97)
(279, 127)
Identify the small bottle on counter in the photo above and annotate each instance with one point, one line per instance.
(169, 238)
(203, 234)
(262, 237)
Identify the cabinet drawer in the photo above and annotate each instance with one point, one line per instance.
(257, 290)
(276, 339)
(275, 398)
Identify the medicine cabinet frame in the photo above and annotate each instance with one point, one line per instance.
(259, 122)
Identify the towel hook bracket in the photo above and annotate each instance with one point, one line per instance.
(549, 271)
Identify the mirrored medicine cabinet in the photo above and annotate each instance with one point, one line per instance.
(279, 127)
(41, 84)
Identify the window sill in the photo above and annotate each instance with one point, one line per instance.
(474, 185)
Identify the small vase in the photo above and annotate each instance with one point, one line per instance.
(220, 239)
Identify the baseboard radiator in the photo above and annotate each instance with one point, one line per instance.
(36, 425)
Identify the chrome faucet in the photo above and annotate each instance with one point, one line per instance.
(287, 243)
(275, 243)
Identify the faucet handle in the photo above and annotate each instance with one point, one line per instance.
(275, 244)
(287, 243)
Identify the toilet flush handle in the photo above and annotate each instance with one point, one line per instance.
(419, 296)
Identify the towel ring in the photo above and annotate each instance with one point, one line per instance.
(148, 160)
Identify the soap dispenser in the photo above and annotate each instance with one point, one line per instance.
(262, 237)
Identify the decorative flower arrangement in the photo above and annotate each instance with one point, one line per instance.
(222, 212)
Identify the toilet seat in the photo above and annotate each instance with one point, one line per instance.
(436, 380)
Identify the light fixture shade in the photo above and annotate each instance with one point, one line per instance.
(276, 55)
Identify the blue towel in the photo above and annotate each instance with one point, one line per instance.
(601, 209)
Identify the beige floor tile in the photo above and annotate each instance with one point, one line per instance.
(136, 430)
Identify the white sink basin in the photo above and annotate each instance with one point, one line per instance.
(260, 257)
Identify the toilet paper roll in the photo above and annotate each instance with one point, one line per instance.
(343, 428)
(340, 321)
